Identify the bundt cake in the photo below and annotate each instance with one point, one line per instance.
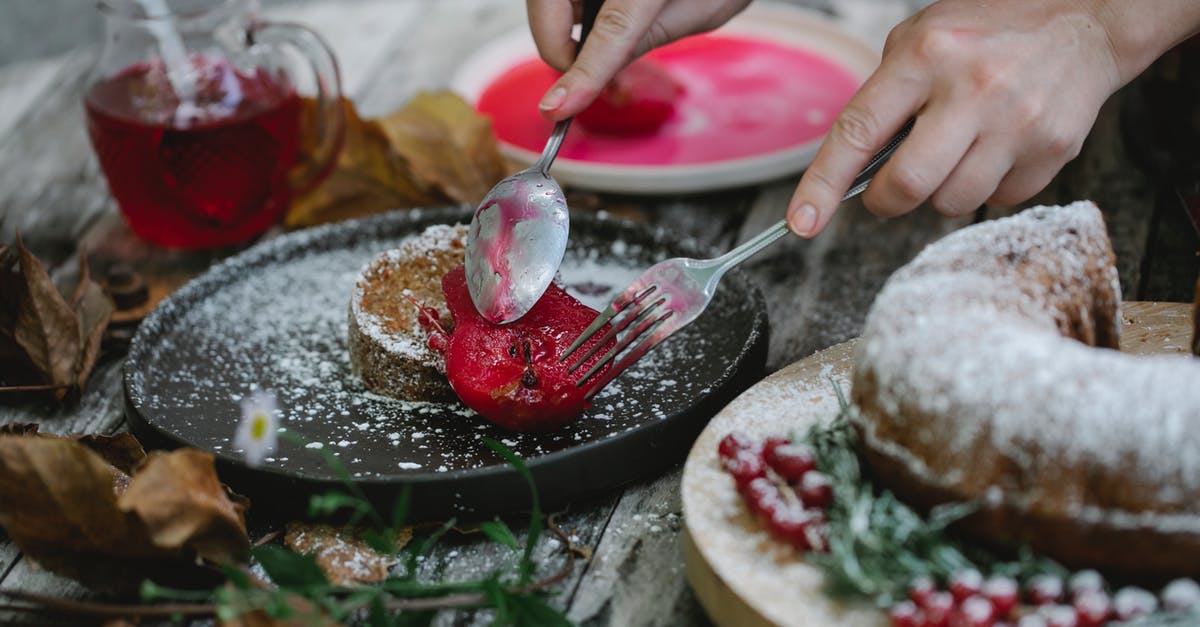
(986, 372)
(388, 348)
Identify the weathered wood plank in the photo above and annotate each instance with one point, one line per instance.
(636, 576)
(445, 35)
(22, 86)
(818, 291)
(358, 32)
(50, 185)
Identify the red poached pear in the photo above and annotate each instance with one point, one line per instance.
(511, 374)
(636, 102)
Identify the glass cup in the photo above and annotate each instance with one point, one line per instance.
(195, 114)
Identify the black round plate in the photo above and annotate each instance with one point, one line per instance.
(275, 317)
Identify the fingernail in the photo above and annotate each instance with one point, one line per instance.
(553, 99)
(803, 220)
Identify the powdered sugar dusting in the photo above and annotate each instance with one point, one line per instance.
(275, 318)
(967, 340)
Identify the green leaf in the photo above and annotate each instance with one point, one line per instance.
(289, 569)
(378, 616)
(382, 542)
(526, 567)
(499, 533)
(235, 576)
(400, 507)
(333, 502)
(531, 611)
(423, 547)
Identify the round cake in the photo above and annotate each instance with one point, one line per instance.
(987, 372)
(388, 347)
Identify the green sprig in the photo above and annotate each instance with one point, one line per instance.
(877, 544)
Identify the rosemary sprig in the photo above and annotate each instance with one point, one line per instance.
(877, 544)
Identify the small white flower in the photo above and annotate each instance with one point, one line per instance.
(258, 432)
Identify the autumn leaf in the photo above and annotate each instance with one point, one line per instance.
(448, 144)
(369, 177)
(97, 509)
(56, 336)
(435, 150)
(342, 552)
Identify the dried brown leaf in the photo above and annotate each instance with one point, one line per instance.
(44, 336)
(341, 552)
(69, 509)
(447, 144)
(45, 326)
(369, 177)
(182, 503)
(94, 309)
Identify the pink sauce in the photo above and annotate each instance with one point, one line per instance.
(742, 97)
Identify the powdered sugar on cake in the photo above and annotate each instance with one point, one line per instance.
(961, 355)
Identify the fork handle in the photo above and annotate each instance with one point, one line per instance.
(779, 229)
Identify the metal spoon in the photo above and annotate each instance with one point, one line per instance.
(519, 232)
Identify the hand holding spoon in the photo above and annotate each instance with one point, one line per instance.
(518, 234)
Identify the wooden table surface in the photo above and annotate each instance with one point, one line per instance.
(818, 291)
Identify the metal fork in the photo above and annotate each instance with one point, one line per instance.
(674, 292)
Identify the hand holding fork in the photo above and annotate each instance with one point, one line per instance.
(672, 293)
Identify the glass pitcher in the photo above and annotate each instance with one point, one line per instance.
(195, 113)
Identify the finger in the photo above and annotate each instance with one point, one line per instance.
(619, 26)
(974, 179)
(939, 139)
(882, 105)
(550, 23)
(1022, 183)
(680, 19)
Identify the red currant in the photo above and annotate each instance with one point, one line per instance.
(974, 611)
(906, 614)
(772, 443)
(1044, 589)
(1059, 615)
(938, 609)
(1085, 581)
(745, 466)
(965, 583)
(1130, 602)
(762, 497)
(1003, 593)
(920, 589)
(791, 524)
(1092, 608)
(816, 489)
(731, 444)
(791, 461)
(1181, 595)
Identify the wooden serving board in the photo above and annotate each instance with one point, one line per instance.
(740, 575)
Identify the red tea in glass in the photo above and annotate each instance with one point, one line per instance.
(204, 152)
(208, 176)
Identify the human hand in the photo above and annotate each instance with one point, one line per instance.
(623, 31)
(1003, 95)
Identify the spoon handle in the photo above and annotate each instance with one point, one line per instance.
(591, 8)
(552, 146)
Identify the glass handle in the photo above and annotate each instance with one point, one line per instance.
(328, 115)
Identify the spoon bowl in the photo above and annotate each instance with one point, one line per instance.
(517, 239)
(518, 234)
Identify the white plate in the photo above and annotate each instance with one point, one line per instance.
(779, 24)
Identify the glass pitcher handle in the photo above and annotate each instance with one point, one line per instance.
(330, 118)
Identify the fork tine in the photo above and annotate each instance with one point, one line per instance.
(629, 338)
(632, 315)
(617, 306)
(646, 331)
